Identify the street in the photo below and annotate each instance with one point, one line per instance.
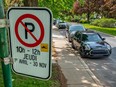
(103, 68)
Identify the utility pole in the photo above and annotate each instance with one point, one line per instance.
(4, 51)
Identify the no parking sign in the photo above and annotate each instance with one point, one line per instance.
(27, 30)
(30, 40)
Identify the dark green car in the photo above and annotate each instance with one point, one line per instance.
(91, 44)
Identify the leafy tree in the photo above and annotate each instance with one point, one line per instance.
(92, 6)
(12, 3)
(76, 6)
(109, 8)
(60, 8)
(87, 8)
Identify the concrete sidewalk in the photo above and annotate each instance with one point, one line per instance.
(73, 67)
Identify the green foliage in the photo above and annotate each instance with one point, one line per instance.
(80, 18)
(68, 18)
(96, 22)
(81, 2)
(59, 8)
(83, 21)
(105, 22)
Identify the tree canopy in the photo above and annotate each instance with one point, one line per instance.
(60, 8)
(105, 8)
(64, 8)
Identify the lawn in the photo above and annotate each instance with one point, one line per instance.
(111, 31)
(22, 81)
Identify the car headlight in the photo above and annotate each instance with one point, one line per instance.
(108, 47)
(87, 47)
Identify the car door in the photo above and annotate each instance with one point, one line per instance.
(78, 42)
(77, 39)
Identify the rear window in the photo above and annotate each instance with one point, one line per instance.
(75, 28)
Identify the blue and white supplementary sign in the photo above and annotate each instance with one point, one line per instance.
(30, 40)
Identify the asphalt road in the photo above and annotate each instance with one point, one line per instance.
(104, 68)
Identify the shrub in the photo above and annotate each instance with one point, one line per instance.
(105, 22)
(96, 22)
(83, 21)
(68, 18)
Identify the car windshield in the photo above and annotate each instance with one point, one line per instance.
(91, 38)
(76, 27)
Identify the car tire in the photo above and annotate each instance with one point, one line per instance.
(65, 35)
(82, 53)
(73, 45)
(69, 39)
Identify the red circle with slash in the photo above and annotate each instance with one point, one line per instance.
(37, 40)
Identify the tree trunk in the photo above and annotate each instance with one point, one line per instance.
(88, 16)
(30, 3)
(88, 12)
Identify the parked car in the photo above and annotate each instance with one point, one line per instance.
(62, 25)
(72, 29)
(57, 22)
(54, 21)
(91, 44)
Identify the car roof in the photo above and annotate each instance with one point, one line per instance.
(73, 25)
(76, 25)
(62, 22)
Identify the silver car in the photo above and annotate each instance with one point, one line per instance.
(72, 29)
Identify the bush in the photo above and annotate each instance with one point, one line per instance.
(68, 18)
(83, 21)
(105, 22)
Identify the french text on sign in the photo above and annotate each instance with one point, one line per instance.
(43, 65)
(22, 61)
(30, 57)
(35, 52)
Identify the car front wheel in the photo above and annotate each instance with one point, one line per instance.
(82, 53)
(73, 45)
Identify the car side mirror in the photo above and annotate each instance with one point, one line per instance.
(86, 29)
(103, 38)
(79, 40)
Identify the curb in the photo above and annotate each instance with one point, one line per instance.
(91, 73)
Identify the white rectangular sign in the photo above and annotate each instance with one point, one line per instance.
(30, 38)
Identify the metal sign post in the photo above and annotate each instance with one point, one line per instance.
(4, 49)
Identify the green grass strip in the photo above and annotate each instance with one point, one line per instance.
(111, 31)
(22, 81)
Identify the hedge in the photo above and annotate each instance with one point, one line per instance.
(105, 22)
